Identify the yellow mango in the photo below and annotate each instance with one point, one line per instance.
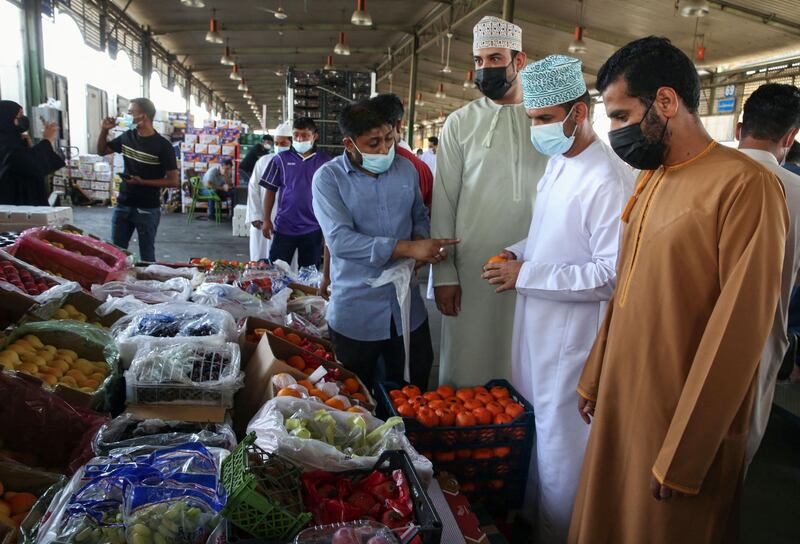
(50, 349)
(13, 355)
(60, 314)
(49, 379)
(34, 341)
(29, 368)
(67, 354)
(69, 381)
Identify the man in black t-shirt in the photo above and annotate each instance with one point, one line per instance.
(248, 163)
(150, 165)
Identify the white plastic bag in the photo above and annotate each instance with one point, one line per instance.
(271, 435)
(240, 304)
(172, 323)
(400, 276)
(148, 291)
(159, 272)
(126, 305)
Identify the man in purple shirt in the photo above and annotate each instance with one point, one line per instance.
(291, 172)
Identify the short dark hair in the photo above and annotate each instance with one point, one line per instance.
(433, 140)
(650, 63)
(793, 155)
(771, 111)
(389, 106)
(267, 138)
(302, 123)
(582, 98)
(147, 107)
(227, 162)
(358, 118)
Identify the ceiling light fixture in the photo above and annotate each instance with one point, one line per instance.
(342, 48)
(213, 35)
(329, 64)
(419, 101)
(360, 16)
(440, 91)
(694, 8)
(193, 3)
(248, 95)
(446, 69)
(577, 45)
(226, 59)
(279, 72)
(242, 85)
(234, 75)
(468, 82)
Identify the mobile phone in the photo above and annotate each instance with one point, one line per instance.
(125, 176)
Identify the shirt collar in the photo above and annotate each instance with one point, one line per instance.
(348, 165)
(761, 156)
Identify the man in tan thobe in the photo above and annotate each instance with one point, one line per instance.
(669, 383)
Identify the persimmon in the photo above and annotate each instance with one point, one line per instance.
(436, 404)
(361, 397)
(496, 484)
(432, 395)
(465, 394)
(395, 393)
(406, 410)
(483, 416)
(295, 361)
(279, 332)
(499, 392)
(289, 392)
(444, 456)
(472, 404)
(399, 402)
(515, 410)
(505, 401)
(466, 419)
(483, 453)
(463, 454)
(479, 389)
(351, 385)
(446, 417)
(495, 408)
(417, 401)
(306, 383)
(336, 403)
(294, 339)
(502, 451)
(445, 391)
(484, 398)
(467, 487)
(411, 391)
(427, 417)
(502, 419)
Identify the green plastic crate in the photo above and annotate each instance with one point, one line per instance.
(263, 493)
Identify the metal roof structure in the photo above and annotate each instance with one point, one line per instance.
(732, 34)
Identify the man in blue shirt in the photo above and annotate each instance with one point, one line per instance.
(792, 161)
(370, 208)
(218, 180)
(291, 173)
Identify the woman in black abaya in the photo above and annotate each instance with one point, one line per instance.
(23, 167)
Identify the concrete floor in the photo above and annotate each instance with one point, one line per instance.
(771, 504)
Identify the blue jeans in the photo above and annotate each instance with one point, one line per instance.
(145, 221)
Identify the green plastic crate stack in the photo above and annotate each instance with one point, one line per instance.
(264, 496)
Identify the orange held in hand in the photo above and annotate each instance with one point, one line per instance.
(497, 259)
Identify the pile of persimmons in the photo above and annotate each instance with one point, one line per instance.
(466, 407)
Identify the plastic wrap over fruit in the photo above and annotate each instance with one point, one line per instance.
(127, 430)
(148, 291)
(355, 532)
(241, 304)
(321, 437)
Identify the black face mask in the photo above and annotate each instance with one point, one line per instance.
(492, 82)
(23, 124)
(632, 146)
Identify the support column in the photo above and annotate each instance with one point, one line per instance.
(412, 91)
(188, 91)
(33, 54)
(508, 10)
(147, 64)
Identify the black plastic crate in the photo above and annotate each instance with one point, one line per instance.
(499, 480)
(427, 519)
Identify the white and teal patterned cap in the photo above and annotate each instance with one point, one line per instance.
(554, 80)
(491, 32)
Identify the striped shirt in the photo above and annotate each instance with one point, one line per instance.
(149, 157)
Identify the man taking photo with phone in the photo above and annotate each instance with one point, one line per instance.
(150, 166)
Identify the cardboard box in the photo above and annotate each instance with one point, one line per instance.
(19, 478)
(173, 412)
(84, 303)
(310, 291)
(84, 349)
(280, 345)
(13, 307)
(263, 365)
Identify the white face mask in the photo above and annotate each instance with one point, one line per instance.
(303, 147)
(550, 139)
(280, 148)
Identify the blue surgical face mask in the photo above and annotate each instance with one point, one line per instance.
(377, 163)
(550, 139)
(128, 121)
(279, 148)
(303, 147)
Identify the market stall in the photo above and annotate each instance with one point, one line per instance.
(201, 402)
